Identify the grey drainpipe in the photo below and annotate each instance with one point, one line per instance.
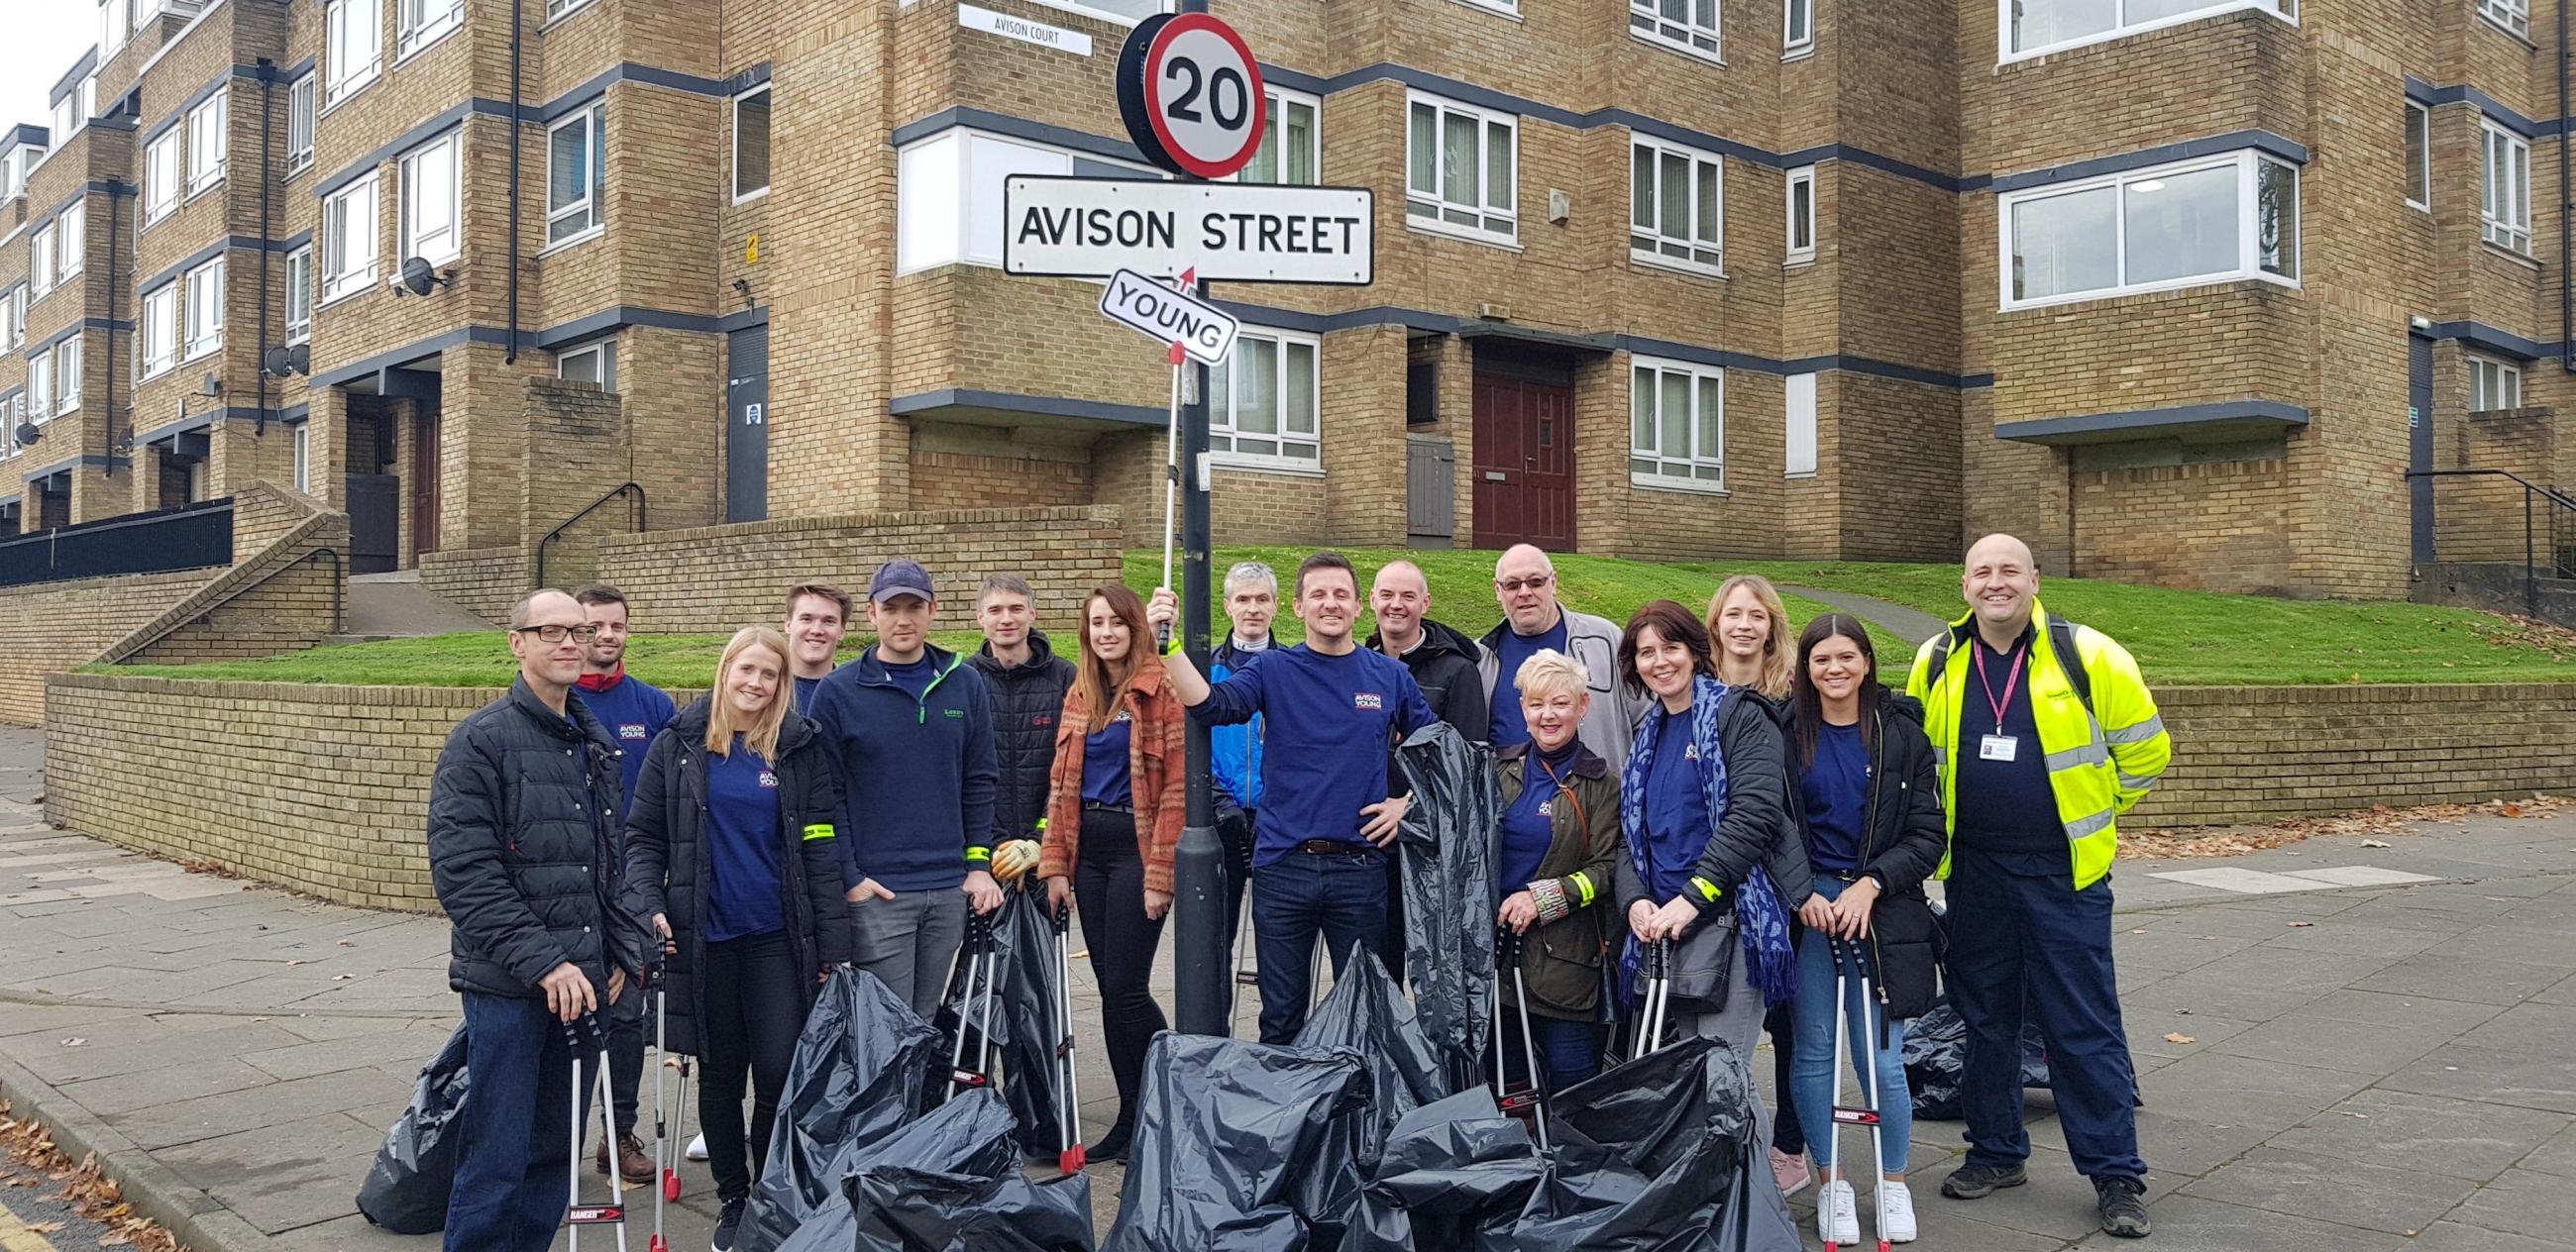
(518, 10)
(267, 178)
(2566, 294)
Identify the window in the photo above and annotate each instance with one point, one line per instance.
(419, 23)
(206, 144)
(88, 99)
(349, 239)
(18, 316)
(2419, 156)
(67, 375)
(205, 326)
(1460, 167)
(2033, 27)
(40, 260)
(115, 19)
(751, 144)
(576, 170)
(301, 439)
(948, 204)
(590, 363)
(353, 45)
(299, 294)
(433, 200)
(557, 8)
(1690, 25)
(1802, 425)
(299, 124)
(1802, 214)
(8, 319)
(1291, 145)
(1676, 426)
(2513, 15)
(1262, 403)
(66, 118)
(71, 239)
(1797, 26)
(2504, 196)
(2207, 221)
(161, 176)
(159, 332)
(40, 386)
(2493, 385)
(1676, 206)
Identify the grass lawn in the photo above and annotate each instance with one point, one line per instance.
(2180, 637)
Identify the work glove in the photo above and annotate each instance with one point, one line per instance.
(1015, 859)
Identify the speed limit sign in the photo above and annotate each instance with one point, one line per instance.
(1190, 92)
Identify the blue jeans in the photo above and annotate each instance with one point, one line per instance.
(1812, 1066)
(1297, 897)
(1565, 1049)
(510, 1161)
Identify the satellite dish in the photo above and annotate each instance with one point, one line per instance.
(419, 276)
(213, 386)
(300, 358)
(28, 433)
(275, 362)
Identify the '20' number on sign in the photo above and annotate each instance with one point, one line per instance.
(1201, 94)
(1184, 106)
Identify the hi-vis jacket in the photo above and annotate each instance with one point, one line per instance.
(2104, 747)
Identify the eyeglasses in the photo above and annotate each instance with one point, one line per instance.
(1514, 586)
(557, 634)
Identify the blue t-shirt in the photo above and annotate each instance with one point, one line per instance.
(1835, 793)
(742, 846)
(1529, 825)
(634, 711)
(1104, 763)
(1677, 817)
(1507, 727)
(914, 678)
(805, 692)
(1323, 755)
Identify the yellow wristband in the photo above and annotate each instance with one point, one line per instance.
(1707, 889)
(1174, 647)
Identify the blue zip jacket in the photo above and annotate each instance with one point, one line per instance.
(919, 775)
(1234, 751)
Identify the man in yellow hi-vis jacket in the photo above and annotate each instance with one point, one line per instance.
(2046, 734)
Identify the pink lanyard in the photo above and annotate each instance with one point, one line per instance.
(2021, 653)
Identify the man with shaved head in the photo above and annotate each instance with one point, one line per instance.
(2046, 733)
(1443, 659)
(1534, 620)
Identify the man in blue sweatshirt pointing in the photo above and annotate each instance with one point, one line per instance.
(911, 726)
(1322, 834)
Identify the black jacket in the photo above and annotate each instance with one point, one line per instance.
(1026, 700)
(1901, 846)
(523, 848)
(1444, 666)
(670, 862)
(1757, 829)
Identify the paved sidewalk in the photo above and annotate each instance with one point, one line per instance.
(2374, 1061)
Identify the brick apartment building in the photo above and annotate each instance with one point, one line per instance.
(2156, 283)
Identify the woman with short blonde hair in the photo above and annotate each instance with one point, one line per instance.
(1559, 856)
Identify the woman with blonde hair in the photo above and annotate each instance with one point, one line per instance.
(1752, 634)
(1559, 859)
(730, 851)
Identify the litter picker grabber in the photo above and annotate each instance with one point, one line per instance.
(1848, 965)
(666, 1150)
(1172, 456)
(576, 1213)
(982, 957)
(1655, 970)
(1530, 1099)
(1244, 973)
(1068, 1087)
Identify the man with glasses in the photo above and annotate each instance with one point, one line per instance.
(1535, 620)
(522, 850)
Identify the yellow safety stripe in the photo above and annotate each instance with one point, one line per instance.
(819, 830)
(2080, 754)
(2139, 733)
(1707, 889)
(979, 853)
(2134, 782)
(1582, 885)
(2090, 824)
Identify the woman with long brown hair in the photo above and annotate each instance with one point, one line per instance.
(1114, 816)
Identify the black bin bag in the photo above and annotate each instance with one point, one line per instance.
(905, 1209)
(1024, 1031)
(406, 1189)
(1368, 1015)
(1453, 1174)
(860, 1066)
(1224, 1130)
(969, 1135)
(1936, 1050)
(1446, 849)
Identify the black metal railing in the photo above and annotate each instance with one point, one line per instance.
(2560, 560)
(635, 491)
(189, 537)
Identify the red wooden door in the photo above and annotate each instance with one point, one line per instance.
(1524, 462)
(424, 484)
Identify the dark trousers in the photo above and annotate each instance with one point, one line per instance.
(625, 1058)
(1109, 892)
(1234, 830)
(1567, 1051)
(1780, 1024)
(751, 1007)
(2028, 944)
(1339, 896)
(517, 1126)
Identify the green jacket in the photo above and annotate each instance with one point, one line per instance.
(1562, 960)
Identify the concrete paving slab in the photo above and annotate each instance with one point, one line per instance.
(283, 1176)
(169, 1125)
(2514, 1079)
(2169, 945)
(2332, 1189)
(2360, 876)
(2242, 881)
(2405, 1131)
(2376, 1008)
(2522, 1202)
(2462, 978)
(2451, 1236)
(2369, 1049)
(2558, 1156)
(140, 1089)
(2242, 1091)
(2190, 1223)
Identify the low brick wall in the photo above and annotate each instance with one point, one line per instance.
(47, 628)
(483, 581)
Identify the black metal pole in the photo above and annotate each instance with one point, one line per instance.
(1198, 865)
(2530, 570)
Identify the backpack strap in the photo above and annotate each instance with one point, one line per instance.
(2061, 640)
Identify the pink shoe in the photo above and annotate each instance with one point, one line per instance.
(1790, 1171)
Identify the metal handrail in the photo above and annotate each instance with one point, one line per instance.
(2530, 564)
(634, 489)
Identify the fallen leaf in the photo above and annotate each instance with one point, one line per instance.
(293, 964)
(2301, 925)
(344, 943)
(342, 977)
(115, 1240)
(44, 1228)
(74, 1042)
(2179, 1037)
(2374, 843)
(2511, 810)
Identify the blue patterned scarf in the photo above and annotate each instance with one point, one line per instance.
(1769, 960)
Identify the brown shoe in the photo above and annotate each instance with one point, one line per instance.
(632, 1163)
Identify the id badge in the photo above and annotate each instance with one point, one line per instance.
(1998, 747)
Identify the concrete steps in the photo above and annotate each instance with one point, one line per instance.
(2495, 587)
(394, 606)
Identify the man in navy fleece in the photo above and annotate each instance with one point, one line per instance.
(1321, 837)
(911, 726)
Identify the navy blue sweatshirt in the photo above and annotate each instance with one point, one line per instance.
(634, 711)
(1326, 720)
(918, 773)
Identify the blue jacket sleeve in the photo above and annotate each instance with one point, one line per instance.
(983, 774)
(826, 715)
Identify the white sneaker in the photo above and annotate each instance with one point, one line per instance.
(1897, 1212)
(697, 1149)
(1836, 1221)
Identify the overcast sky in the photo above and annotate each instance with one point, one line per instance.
(44, 38)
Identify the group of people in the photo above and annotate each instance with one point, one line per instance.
(1756, 808)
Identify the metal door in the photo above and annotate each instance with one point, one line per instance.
(1524, 461)
(374, 523)
(2419, 441)
(1430, 493)
(747, 425)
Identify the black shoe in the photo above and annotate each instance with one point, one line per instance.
(1112, 1146)
(1976, 1182)
(728, 1225)
(2122, 1212)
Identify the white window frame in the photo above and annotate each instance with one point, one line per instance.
(66, 119)
(115, 22)
(157, 331)
(1222, 432)
(300, 440)
(557, 10)
(1799, 444)
(303, 107)
(1276, 101)
(1697, 458)
(941, 216)
(163, 178)
(339, 207)
(40, 387)
(40, 260)
(1698, 32)
(2492, 379)
(8, 318)
(299, 283)
(2512, 15)
(1797, 28)
(67, 376)
(2248, 163)
(2507, 225)
(420, 23)
(202, 316)
(589, 212)
(207, 143)
(444, 244)
(1658, 254)
(71, 241)
(603, 355)
(733, 167)
(1479, 204)
(2419, 121)
(1796, 216)
(352, 55)
(2286, 11)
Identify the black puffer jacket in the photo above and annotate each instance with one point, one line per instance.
(1901, 847)
(670, 863)
(1026, 700)
(522, 848)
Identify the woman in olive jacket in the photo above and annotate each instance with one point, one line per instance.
(1559, 853)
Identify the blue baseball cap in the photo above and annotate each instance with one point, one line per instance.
(900, 578)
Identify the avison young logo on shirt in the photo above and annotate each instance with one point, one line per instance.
(1367, 701)
(632, 730)
(769, 779)
(1690, 752)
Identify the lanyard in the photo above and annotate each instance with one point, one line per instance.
(2021, 653)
